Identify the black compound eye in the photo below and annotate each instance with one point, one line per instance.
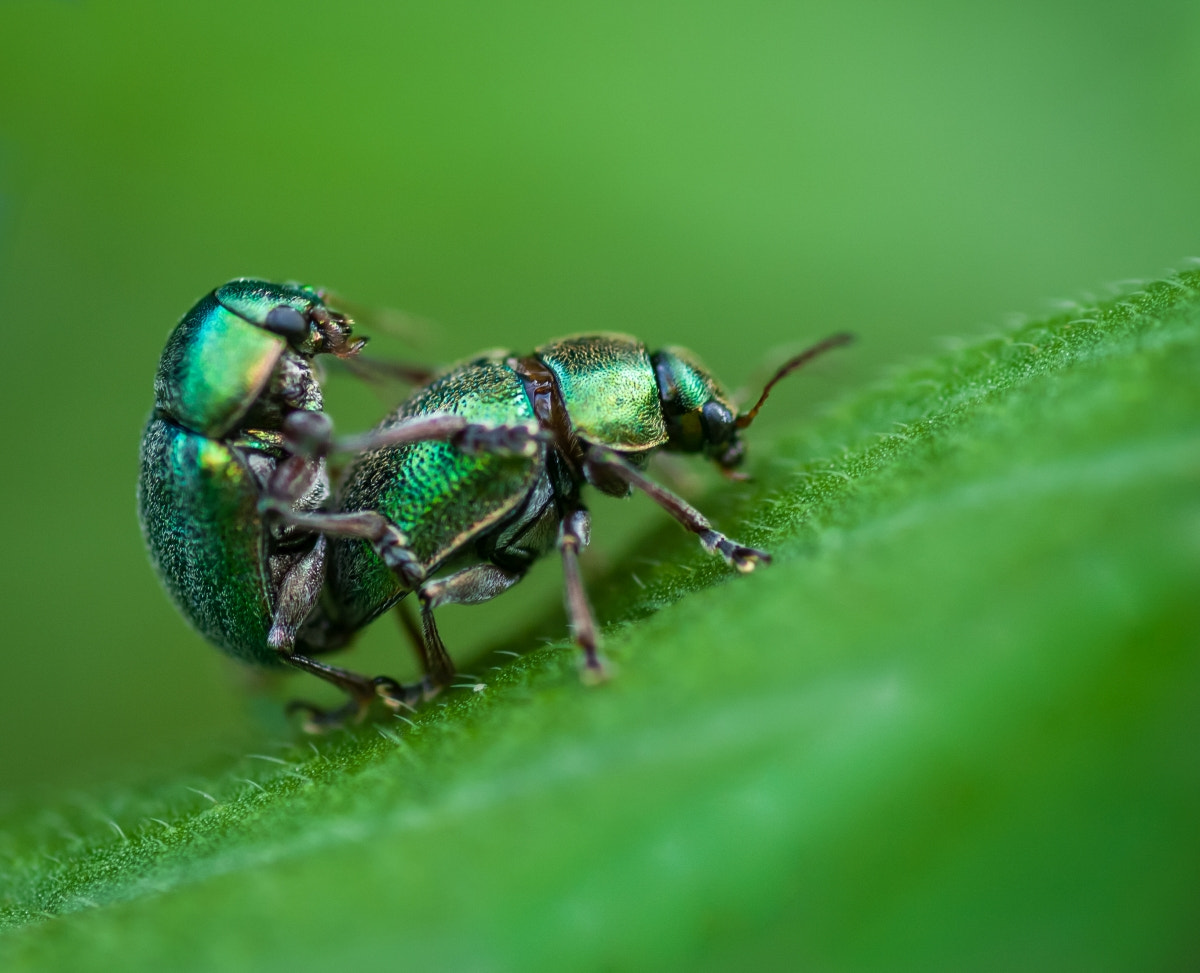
(287, 322)
(718, 421)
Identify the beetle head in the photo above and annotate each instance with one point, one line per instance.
(698, 413)
(295, 312)
(700, 416)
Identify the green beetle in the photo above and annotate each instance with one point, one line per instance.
(473, 520)
(237, 405)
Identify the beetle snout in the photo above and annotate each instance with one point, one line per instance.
(731, 455)
(333, 333)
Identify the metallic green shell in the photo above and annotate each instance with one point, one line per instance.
(198, 506)
(255, 299)
(214, 366)
(609, 388)
(694, 384)
(441, 498)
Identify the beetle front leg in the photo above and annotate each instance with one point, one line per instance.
(574, 534)
(608, 462)
(521, 438)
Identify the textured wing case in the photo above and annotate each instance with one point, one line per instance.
(442, 499)
(199, 511)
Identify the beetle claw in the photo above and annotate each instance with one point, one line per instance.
(746, 559)
(398, 696)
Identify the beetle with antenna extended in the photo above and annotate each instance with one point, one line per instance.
(459, 520)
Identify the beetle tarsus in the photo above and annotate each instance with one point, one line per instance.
(393, 549)
(361, 689)
(319, 720)
(398, 695)
(522, 439)
(745, 559)
(595, 670)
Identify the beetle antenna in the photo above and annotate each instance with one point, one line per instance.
(789, 366)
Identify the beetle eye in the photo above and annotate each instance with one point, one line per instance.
(286, 321)
(718, 421)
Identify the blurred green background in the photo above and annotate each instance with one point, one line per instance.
(737, 177)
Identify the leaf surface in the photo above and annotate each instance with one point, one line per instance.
(953, 726)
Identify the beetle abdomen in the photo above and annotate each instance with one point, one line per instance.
(198, 506)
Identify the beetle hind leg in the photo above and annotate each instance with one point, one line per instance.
(470, 586)
(574, 534)
(360, 689)
(298, 594)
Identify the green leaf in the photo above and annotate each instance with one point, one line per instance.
(953, 726)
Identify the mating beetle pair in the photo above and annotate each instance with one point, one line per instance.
(453, 496)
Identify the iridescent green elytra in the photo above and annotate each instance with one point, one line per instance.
(474, 521)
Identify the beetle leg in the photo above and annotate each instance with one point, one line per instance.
(574, 533)
(360, 689)
(308, 436)
(470, 586)
(471, 437)
(385, 537)
(412, 632)
(397, 695)
(610, 462)
(298, 594)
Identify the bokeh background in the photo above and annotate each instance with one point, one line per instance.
(739, 177)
